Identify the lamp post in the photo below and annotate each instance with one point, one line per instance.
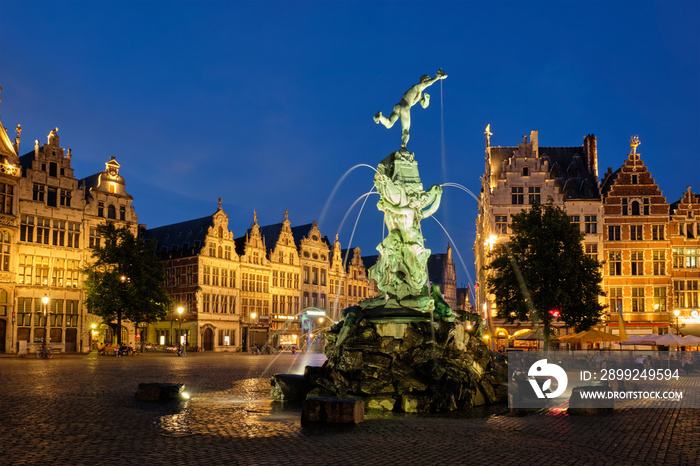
(45, 300)
(676, 313)
(179, 326)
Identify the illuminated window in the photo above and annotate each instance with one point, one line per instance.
(659, 299)
(685, 293)
(6, 198)
(4, 251)
(615, 299)
(502, 224)
(591, 224)
(615, 262)
(26, 232)
(637, 262)
(638, 299)
(659, 262)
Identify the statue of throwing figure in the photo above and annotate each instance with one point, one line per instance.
(403, 109)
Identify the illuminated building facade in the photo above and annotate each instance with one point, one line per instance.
(650, 248)
(48, 221)
(516, 177)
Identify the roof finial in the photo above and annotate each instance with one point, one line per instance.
(634, 142)
(219, 203)
(286, 214)
(255, 217)
(488, 134)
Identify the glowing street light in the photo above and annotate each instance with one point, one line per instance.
(676, 313)
(45, 300)
(179, 329)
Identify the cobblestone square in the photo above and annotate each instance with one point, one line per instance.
(75, 410)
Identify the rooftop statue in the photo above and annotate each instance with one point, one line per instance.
(403, 109)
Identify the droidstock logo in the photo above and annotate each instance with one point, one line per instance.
(542, 369)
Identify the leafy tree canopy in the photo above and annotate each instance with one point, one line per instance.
(544, 268)
(125, 279)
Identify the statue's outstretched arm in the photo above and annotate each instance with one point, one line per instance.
(433, 195)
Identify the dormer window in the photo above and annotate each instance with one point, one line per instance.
(112, 188)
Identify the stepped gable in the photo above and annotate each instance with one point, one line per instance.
(180, 237)
(574, 169)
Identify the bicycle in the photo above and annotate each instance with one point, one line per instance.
(44, 353)
(181, 351)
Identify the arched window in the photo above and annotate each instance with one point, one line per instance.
(635, 207)
(111, 212)
(4, 251)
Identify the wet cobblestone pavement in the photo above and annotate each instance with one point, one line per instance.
(74, 410)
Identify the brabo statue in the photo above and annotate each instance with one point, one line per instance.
(403, 109)
(401, 271)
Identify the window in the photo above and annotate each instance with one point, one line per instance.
(53, 169)
(592, 250)
(275, 279)
(111, 212)
(212, 250)
(659, 299)
(533, 194)
(4, 251)
(635, 207)
(227, 252)
(646, 206)
(59, 233)
(52, 198)
(314, 276)
(57, 272)
(25, 269)
(591, 224)
(502, 224)
(615, 262)
(625, 211)
(38, 192)
(3, 303)
(635, 179)
(73, 236)
(526, 171)
(323, 277)
(224, 277)
(26, 232)
(637, 299)
(306, 274)
(517, 194)
(575, 219)
(43, 227)
(685, 293)
(614, 233)
(122, 213)
(72, 273)
(94, 241)
(206, 275)
(6, 198)
(615, 299)
(657, 232)
(100, 209)
(65, 197)
(215, 276)
(41, 270)
(636, 233)
(637, 262)
(686, 257)
(659, 262)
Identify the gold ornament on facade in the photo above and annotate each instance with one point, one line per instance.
(634, 142)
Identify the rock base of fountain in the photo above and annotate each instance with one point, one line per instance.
(415, 367)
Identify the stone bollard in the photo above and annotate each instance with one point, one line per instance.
(333, 410)
(160, 392)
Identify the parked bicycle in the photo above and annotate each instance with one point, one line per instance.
(44, 352)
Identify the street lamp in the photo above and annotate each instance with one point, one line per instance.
(676, 313)
(45, 300)
(179, 329)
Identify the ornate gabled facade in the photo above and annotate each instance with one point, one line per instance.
(202, 271)
(684, 234)
(516, 177)
(46, 220)
(348, 279)
(636, 245)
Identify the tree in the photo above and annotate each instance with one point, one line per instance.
(125, 279)
(543, 269)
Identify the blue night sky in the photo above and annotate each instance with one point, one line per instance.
(267, 104)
